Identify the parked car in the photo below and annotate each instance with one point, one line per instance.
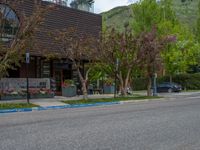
(169, 87)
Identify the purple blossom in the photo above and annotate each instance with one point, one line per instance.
(171, 38)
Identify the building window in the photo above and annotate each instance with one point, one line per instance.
(9, 23)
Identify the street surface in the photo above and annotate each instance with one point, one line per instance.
(172, 124)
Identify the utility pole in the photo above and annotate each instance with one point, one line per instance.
(154, 85)
(116, 70)
(27, 76)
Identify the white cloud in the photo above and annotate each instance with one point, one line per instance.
(105, 5)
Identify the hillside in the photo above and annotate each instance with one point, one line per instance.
(117, 17)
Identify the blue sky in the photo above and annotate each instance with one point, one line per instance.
(105, 5)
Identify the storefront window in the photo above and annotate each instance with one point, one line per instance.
(9, 23)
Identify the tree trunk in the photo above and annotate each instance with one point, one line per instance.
(127, 81)
(83, 84)
(84, 89)
(124, 91)
(124, 83)
(149, 93)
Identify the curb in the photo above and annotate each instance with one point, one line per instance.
(55, 107)
(133, 101)
(145, 100)
(73, 106)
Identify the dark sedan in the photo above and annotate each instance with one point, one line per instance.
(169, 87)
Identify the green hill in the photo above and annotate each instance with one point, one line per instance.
(117, 17)
(187, 14)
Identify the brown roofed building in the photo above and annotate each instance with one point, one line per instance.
(62, 17)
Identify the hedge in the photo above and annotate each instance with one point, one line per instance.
(139, 84)
(187, 81)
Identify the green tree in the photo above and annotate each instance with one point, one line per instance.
(198, 25)
(179, 56)
(149, 13)
(198, 37)
(145, 14)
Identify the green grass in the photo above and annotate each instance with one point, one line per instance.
(16, 105)
(101, 100)
(191, 91)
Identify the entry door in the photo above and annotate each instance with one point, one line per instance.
(58, 77)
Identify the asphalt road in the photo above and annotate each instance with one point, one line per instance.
(157, 125)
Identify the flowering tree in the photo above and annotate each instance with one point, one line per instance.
(78, 48)
(13, 50)
(122, 47)
(151, 46)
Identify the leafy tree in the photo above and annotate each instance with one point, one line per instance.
(122, 47)
(153, 16)
(148, 13)
(151, 45)
(198, 37)
(179, 56)
(12, 52)
(98, 72)
(176, 57)
(198, 25)
(145, 14)
(78, 48)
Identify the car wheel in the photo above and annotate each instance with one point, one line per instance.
(169, 90)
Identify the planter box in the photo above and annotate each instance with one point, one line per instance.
(17, 97)
(69, 91)
(109, 89)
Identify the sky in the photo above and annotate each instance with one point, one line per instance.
(105, 5)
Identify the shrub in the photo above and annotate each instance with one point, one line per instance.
(68, 83)
(109, 82)
(139, 84)
(187, 81)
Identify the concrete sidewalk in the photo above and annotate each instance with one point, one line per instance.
(56, 101)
